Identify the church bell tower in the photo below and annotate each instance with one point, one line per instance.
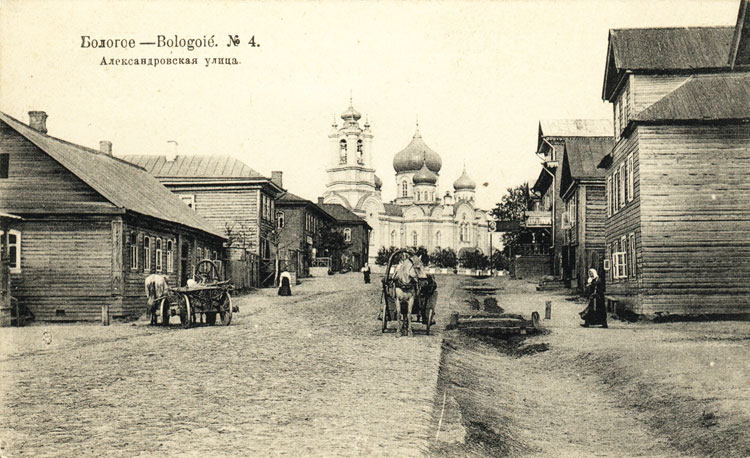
(351, 175)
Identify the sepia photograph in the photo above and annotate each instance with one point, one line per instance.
(375, 228)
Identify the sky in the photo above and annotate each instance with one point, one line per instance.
(478, 76)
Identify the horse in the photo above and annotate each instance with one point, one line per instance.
(406, 278)
(156, 287)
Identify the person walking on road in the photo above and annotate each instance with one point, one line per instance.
(595, 312)
(366, 272)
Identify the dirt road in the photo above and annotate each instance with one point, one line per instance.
(307, 375)
(635, 389)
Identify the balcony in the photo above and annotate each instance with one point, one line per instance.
(532, 249)
(538, 219)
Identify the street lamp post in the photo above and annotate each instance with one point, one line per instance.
(491, 227)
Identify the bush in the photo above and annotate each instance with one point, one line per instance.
(474, 260)
(445, 258)
(384, 254)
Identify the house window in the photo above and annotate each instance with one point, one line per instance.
(170, 256)
(404, 189)
(615, 191)
(347, 235)
(631, 171)
(437, 239)
(616, 108)
(280, 219)
(189, 200)
(133, 250)
(199, 253)
(631, 255)
(609, 196)
(621, 186)
(4, 165)
(393, 238)
(14, 249)
(414, 238)
(158, 252)
(147, 254)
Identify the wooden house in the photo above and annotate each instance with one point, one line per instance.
(356, 235)
(678, 191)
(299, 221)
(583, 194)
(93, 226)
(233, 197)
(545, 225)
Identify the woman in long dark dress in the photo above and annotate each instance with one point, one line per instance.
(366, 272)
(595, 313)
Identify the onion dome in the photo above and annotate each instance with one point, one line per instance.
(464, 183)
(351, 115)
(416, 154)
(424, 176)
(378, 182)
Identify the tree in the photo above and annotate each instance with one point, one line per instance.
(384, 254)
(512, 207)
(473, 260)
(330, 240)
(424, 256)
(444, 258)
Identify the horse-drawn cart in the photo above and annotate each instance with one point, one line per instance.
(199, 302)
(421, 287)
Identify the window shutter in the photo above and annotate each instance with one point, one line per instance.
(609, 196)
(630, 177)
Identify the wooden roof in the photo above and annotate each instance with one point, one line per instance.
(573, 128)
(343, 214)
(123, 184)
(739, 54)
(193, 166)
(666, 50)
(293, 200)
(712, 97)
(581, 159)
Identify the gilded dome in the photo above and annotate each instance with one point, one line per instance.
(378, 182)
(424, 176)
(464, 183)
(416, 154)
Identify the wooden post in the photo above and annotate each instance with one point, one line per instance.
(105, 314)
(548, 310)
(453, 324)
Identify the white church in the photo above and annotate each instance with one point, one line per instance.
(419, 215)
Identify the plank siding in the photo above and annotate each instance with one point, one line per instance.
(648, 89)
(37, 183)
(65, 265)
(595, 216)
(225, 207)
(624, 221)
(696, 218)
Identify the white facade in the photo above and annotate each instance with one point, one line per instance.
(418, 215)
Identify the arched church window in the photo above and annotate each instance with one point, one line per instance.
(393, 238)
(437, 239)
(404, 189)
(360, 159)
(414, 238)
(342, 151)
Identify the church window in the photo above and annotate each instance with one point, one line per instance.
(404, 189)
(393, 238)
(360, 159)
(414, 238)
(437, 239)
(342, 151)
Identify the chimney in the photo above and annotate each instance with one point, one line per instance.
(38, 121)
(320, 201)
(105, 147)
(171, 156)
(276, 178)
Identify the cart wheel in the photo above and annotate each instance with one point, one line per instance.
(206, 272)
(430, 313)
(186, 311)
(164, 312)
(385, 315)
(211, 318)
(225, 309)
